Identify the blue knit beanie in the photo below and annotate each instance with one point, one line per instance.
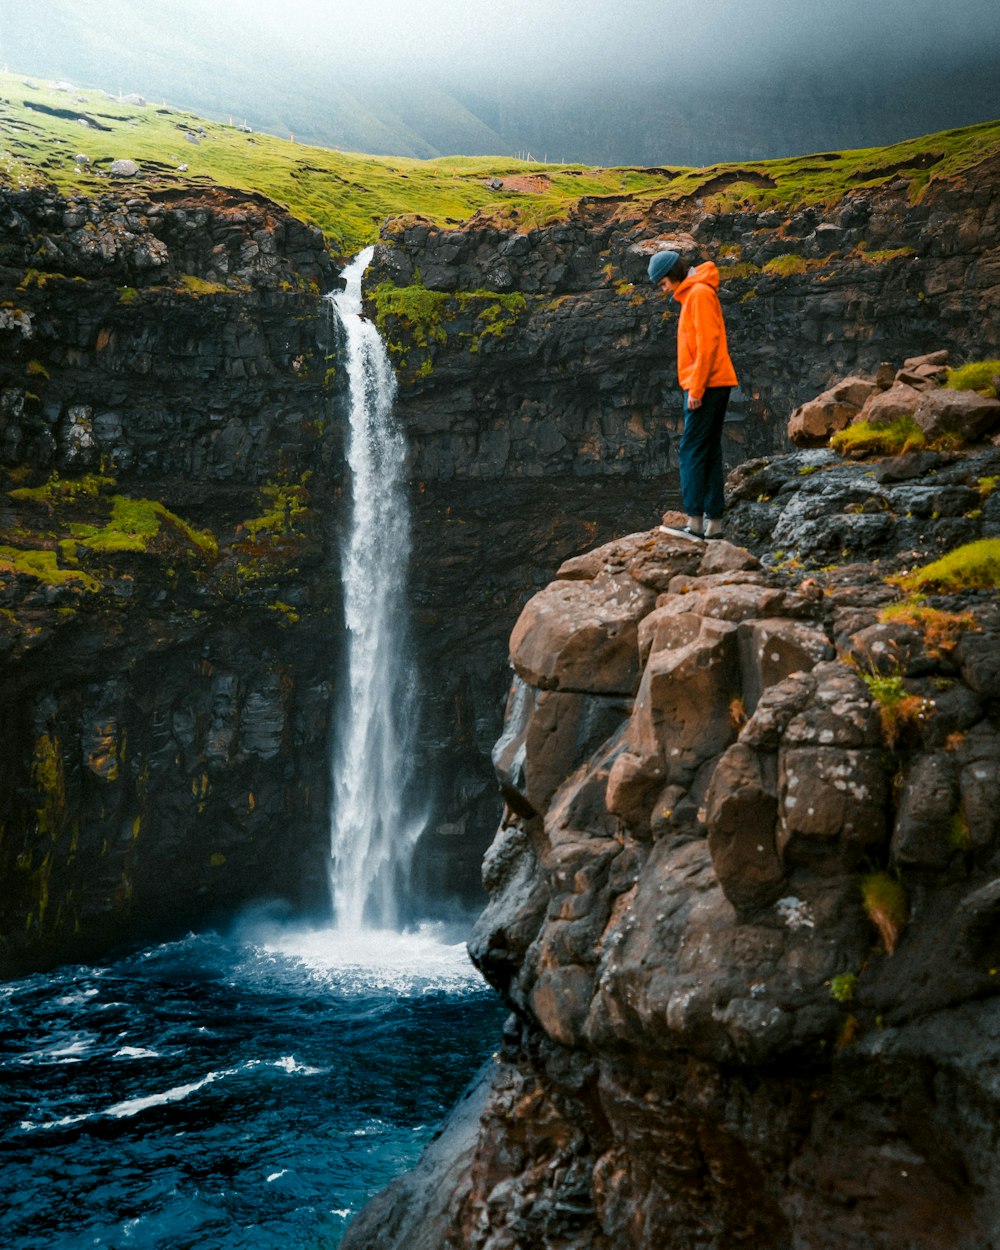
(661, 264)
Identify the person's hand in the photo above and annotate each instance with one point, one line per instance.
(693, 403)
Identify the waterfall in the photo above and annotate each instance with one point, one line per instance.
(372, 829)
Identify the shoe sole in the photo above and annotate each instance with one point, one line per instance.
(684, 532)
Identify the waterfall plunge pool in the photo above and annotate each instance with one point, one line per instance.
(222, 1092)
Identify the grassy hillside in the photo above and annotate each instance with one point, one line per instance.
(347, 195)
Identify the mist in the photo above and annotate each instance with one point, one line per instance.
(654, 40)
(643, 81)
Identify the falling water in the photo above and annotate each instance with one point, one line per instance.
(373, 831)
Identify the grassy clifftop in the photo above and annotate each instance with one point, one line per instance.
(347, 195)
(43, 129)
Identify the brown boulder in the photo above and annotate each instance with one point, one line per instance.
(651, 557)
(771, 650)
(839, 713)
(937, 359)
(829, 799)
(664, 628)
(560, 1000)
(633, 784)
(682, 710)
(721, 556)
(812, 423)
(967, 414)
(884, 407)
(775, 708)
(582, 635)
(921, 378)
(546, 735)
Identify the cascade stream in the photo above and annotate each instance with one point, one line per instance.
(373, 832)
(254, 1088)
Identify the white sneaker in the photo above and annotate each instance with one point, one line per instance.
(683, 531)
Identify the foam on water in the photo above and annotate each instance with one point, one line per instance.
(135, 1052)
(422, 961)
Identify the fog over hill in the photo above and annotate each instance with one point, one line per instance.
(642, 82)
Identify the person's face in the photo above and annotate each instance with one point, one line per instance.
(667, 286)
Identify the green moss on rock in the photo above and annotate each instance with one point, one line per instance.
(981, 375)
(974, 566)
(43, 565)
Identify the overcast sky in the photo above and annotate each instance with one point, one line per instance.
(614, 37)
(610, 38)
(601, 81)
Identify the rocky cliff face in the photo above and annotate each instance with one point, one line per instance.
(177, 347)
(168, 564)
(570, 368)
(743, 899)
(538, 389)
(172, 415)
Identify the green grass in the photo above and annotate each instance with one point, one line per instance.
(974, 566)
(826, 177)
(43, 566)
(349, 195)
(866, 438)
(978, 376)
(87, 518)
(346, 194)
(788, 265)
(287, 509)
(844, 987)
(59, 490)
(886, 905)
(884, 255)
(199, 286)
(425, 315)
(134, 524)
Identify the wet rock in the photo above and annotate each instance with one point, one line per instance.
(906, 467)
(547, 734)
(924, 835)
(978, 656)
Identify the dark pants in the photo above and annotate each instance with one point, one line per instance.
(700, 454)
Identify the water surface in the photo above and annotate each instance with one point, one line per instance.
(229, 1091)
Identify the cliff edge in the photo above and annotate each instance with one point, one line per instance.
(744, 898)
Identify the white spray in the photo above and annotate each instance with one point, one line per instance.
(372, 832)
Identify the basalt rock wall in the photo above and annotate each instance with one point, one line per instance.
(538, 389)
(577, 377)
(170, 604)
(172, 426)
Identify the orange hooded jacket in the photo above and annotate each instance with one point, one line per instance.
(702, 354)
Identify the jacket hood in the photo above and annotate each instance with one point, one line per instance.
(707, 273)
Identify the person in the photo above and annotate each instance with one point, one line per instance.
(706, 375)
